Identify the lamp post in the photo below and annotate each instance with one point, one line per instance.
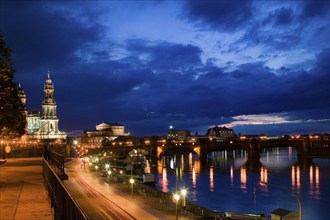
(132, 183)
(290, 191)
(183, 193)
(176, 198)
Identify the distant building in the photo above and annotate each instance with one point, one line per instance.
(284, 214)
(104, 132)
(125, 141)
(220, 133)
(44, 125)
(177, 134)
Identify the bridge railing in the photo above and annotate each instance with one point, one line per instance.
(65, 206)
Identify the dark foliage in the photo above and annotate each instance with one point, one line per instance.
(12, 116)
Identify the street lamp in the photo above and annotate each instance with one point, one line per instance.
(132, 183)
(290, 191)
(176, 198)
(183, 193)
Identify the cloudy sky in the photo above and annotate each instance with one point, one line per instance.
(255, 66)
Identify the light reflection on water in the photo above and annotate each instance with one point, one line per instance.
(227, 181)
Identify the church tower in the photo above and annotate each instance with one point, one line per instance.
(45, 126)
(49, 120)
(22, 96)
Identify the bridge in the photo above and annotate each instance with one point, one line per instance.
(305, 148)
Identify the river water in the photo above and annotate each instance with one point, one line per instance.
(227, 182)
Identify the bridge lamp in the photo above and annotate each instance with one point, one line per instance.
(107, 166)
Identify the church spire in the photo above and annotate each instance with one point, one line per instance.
(49, 90)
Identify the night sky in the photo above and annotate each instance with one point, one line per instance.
(254, 66)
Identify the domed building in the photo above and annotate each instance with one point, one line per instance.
(103, 132)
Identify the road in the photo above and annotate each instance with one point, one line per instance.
(101, 200)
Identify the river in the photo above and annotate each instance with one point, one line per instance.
(227, 182)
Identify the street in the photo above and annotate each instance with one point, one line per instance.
(104, 200)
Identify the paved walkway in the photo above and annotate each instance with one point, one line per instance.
(22, 191)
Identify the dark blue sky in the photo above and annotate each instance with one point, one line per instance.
(255, 66)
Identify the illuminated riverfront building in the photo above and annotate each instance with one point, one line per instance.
(45, 125)
(177, 134)
(220, 133)
(104, 132)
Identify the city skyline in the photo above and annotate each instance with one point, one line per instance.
(253, 66)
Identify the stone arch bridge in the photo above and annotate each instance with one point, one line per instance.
(305, 148)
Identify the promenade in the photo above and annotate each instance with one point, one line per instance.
(22, 191)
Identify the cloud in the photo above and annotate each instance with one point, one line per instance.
(221, 15)
(45, 36)
(315, 9)
(166, 56)
(284, 16)
(277, 123)
(262, 119)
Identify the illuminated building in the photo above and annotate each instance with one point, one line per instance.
(177, 135)
(220, 133)
(45, 125)
(104, 132)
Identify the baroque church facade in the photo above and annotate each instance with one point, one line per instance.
(44, 125)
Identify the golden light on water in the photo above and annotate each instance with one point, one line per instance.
(194, 177)
(211, 179)
(264, 174)
(243, 177)
(231, 174)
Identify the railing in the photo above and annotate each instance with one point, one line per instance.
(56, 161)
(65, 206)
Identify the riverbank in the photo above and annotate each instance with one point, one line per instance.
(163, 202)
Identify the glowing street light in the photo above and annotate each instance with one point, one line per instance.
(132, 184)
(183, 193)
(176, 198)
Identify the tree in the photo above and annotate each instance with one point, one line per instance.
(12, 116)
